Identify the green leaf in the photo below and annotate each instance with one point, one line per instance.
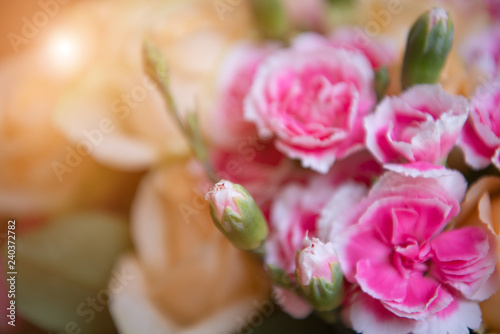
(61, 265)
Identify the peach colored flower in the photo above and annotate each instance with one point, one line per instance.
(190, 278)
(482, 207)
(42, 172)
(138, 130)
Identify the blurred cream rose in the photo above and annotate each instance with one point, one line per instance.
(482, 206)
(189, 278)
(114, 106)
(33, 151)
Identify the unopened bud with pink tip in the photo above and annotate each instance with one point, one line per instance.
(318, 273)
(237, 216)
(428, 45)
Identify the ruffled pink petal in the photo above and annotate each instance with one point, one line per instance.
(477, 153)
(319, 160)
(381, 280)
(422, 124)
(426, 218)
(457, 318)
(424, 297)
(367, 315)
(465, 259)
(451, 180)
(359, 243)
(440, 188)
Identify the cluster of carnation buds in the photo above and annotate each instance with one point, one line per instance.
(316, 275)
(237, 216)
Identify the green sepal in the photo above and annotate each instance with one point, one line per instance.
(426, 51)
(326, 295)
(281, 278)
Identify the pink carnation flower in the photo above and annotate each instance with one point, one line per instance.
(313, 103)
(482, 50)
(228, 128)
(294, 214)
(480, 137)
(409, 273)
(238, 154)
(422, 124)
(257, 166)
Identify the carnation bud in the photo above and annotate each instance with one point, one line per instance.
(429, 42)
(237, 216)
(318, 273)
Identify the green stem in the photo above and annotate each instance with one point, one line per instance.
(156, 69)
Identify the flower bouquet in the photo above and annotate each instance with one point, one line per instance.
(359, 163)
(250, 167)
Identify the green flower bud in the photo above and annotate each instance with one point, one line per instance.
(237, 216)
(427, 48)
(318, 273)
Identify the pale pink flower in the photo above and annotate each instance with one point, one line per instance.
(228, 127)
(293, 215)
(380, 52)
(314, 261)
(313, 103)
(481, 51)
(306, 14)
(256, 165)
(480, 137)
(413, 275)
(422, 124)
(238, 154)
(296, 212)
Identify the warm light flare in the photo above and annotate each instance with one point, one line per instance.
(65, 52)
